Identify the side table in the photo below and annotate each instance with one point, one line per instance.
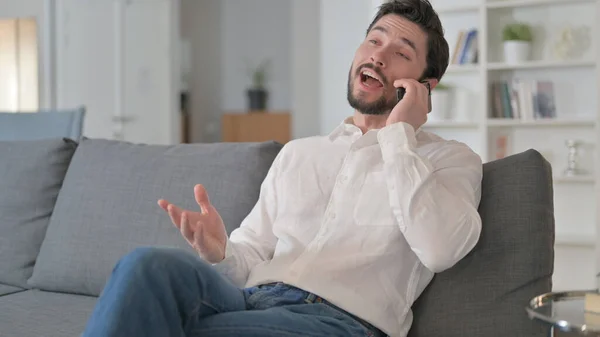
(564, 311)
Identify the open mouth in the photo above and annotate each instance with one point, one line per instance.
(370, 80)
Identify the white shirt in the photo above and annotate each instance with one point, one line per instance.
(363, 221)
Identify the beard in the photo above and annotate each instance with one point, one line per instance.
(380, 106)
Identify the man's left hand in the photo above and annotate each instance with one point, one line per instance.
(413, 107)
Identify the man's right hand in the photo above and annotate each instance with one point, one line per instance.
(203, 230)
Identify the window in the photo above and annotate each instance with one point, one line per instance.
(19, 87)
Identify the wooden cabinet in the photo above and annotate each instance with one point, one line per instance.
(256, 127)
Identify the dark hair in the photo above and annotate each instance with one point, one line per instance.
(422, 13)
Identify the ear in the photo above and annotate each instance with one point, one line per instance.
(433, 82)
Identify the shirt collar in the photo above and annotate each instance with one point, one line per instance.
(347, 128)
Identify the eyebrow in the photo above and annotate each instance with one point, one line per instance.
(405, 40)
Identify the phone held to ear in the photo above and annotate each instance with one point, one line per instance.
(401, 91)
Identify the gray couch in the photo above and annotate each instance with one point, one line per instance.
(69, 211)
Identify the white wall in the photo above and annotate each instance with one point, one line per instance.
(200, 24)
(344, 23)
(322, 52)
(251, 32)
(226, 36)
(306, 67)
(311, 44)
(597, 161)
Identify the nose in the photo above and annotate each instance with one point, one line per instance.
(378, 60)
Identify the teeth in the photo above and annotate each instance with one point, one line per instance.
(370, 74)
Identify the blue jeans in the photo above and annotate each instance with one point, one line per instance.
(169, 292)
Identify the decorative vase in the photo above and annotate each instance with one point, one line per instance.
(516, 51)
(573, 168)
(440, 105)
(257, 99)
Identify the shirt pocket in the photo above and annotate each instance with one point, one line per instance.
(373, 203)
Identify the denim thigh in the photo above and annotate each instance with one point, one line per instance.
(309, 320)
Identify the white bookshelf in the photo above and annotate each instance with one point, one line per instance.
(583, 179)
(455, 68)
(576, 92)
(531, 3)
(544, 64)
(451, 125)
(556, 122)
(458, 9)
(575, 240)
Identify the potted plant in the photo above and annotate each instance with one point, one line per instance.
(517, 39)
(257, 93)
(440, 102)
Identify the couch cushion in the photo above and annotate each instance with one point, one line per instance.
(108, 204)
(486, 293)
(5, 289)
(43, 124)
(35, 313)
(31, 175)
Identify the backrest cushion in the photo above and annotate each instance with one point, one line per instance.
(44, 124)
(31, 175)
(486, 293)
(108, 204)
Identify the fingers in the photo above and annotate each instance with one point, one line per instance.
(413, 88)
(199, 235)
(186, 229)
(202, 198)
(175, 214)
(406, 83)
(163, 204)
(173, 211)
(411, 85)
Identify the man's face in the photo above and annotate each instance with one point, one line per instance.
(395, 48)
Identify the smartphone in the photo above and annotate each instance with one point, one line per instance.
(401, 91)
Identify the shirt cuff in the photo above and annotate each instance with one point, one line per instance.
(396, 138)
(228, 249)
(229, 254)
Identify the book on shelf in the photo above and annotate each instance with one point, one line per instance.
(466, 50)
(525, 100)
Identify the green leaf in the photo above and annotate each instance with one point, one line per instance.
(517, 32)
(259, 74)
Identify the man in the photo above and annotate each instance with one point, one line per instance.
(348, 230)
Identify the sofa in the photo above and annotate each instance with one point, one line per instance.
(42, 124)
(69, 210)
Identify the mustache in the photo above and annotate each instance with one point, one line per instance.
(377, 70)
